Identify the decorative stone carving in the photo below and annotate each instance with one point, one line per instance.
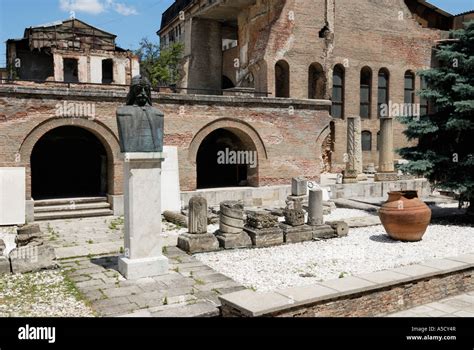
(263, 229)
(231, 225)
(197, 215)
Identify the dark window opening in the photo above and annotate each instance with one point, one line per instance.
(424, 103)
(365, 93)
(366, 141)
(71, 74)
(409, 88)
(68, 162)
(107, 71)
(282, 79)
(383, 91)
(316, 82)
(337, 110)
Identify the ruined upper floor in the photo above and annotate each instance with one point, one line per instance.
(69, 51)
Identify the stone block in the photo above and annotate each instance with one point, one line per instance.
(261, 220)
(33, 258)
(4, 266)
(323, 232)
(145, 267)
(233, 240)
(299, 186)
(266, 237)
(386, 177)
(3, 246)
(296, 234)
(198, 243)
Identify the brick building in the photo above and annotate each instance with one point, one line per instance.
(57, 118)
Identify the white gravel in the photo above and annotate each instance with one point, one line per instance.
(341, 214)
(365, 250)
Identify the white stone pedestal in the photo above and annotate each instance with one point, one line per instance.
(142, 205)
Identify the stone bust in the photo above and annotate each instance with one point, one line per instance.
(140, 125)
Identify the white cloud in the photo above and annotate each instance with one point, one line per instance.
(93, 7)
(124, 9)
(96, 7)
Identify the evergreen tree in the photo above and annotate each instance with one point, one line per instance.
(444, 153)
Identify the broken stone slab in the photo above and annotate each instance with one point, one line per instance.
(4, 266)
(299, 186)
(265, 237)
(198, 243)
(233, 240)
(323, 232)
(352, 204)
(261, 220)
(33, 259)
(297, 234)
(176, 218)
(28, 234)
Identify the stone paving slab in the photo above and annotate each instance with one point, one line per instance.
(189, 289)
(459, 306)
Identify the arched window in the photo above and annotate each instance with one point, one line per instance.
(383, 91)
(409, 87)
(365, 92)
(316, 81)
(366, 141)
(378, 140)
(337, 110)
(282, 79)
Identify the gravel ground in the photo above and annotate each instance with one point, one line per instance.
(41, 294)
(365, 250)
(341, 214)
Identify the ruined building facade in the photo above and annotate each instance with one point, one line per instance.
(70, 51)
(275, 78)
(359, 54)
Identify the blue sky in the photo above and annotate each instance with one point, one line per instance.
(129, 20)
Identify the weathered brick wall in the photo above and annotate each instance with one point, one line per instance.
(287, 144)
(377, 34)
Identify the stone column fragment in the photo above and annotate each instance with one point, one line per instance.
(315, 207)
(231, 226)
(198, 240)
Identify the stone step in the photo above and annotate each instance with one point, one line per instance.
(72, 207)
(68, 201)
(72, 214)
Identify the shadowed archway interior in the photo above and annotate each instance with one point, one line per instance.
(68, 162)
(212, 174)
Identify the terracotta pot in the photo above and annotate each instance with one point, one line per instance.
(404, 216)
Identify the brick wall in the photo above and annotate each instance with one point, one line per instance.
(287, 142)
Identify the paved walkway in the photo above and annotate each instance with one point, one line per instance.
(458, 306)
(190, 289)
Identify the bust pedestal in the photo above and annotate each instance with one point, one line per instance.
(142, 203)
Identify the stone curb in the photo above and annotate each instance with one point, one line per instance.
(254, 304)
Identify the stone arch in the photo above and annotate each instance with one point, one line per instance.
(247, 135)
(106, 136)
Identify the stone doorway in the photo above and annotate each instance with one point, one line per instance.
(68, 162)
(225, 159)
